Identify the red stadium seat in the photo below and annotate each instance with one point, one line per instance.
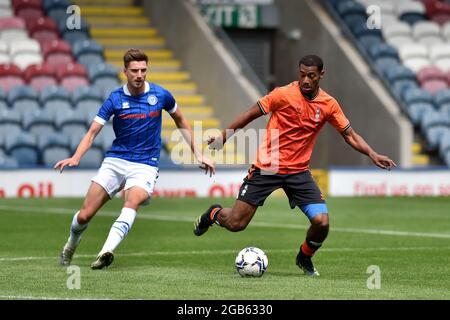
(430, 73)
(40, 76)
(43, 30)
(29, 10)
(72, 76)
(58, 53)
(10, 76)
(434, 85)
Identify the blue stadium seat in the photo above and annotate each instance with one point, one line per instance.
(417, 110)
(442, 97)
(384, 50)
(104, 76)
(351, 12)
(54, 147)
(41, 122)
(23, 99)
(53, 4)
(7, 162)
(10, 123)
(444, 145)
(88, 52)
(87, 99)
(56, 99)
(400, 73)
(417, 95)
(3, 100)
(106, 136)
(434, 125)
(93, 158)
(72, 123)
(23, 147)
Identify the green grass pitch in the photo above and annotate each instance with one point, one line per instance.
(408, 239)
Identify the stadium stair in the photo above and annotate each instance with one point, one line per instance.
(118, 25)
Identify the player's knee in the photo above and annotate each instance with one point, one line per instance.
(321, 223)
(83, 217)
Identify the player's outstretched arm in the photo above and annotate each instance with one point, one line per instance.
(82, 148)
(358, 143)
(216, 143)
(181, 123)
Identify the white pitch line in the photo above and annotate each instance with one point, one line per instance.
(218, 252)
(66, 211)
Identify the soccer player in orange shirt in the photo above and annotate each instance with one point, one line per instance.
(298, 112)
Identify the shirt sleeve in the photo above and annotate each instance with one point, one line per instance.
(170, 104)
(270, 102)
(105, 112)
(337, 118)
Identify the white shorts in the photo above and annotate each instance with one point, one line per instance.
(116, 174)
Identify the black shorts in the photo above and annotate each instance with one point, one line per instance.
(300, 188)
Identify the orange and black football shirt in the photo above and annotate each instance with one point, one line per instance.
(293, 127)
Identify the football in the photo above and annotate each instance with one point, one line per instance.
(251, 262)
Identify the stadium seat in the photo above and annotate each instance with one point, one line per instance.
(23, 99)
(384, 50)
(12, 29)
(25, 52)
(400, 73)
(106, 136)
(7, 162)
(397, 33)
(56, 4)
(4, 52)
(44, 30)
(434, 86)
(28, 10)
(434, 125)
(88, 52)
(91, 159)
(352, 13)
(10, 76)
(10, 123)
(87, 99)
(417, 95)
(441, 98)
(40, 76)
(39, 122)
(54, 147)
(410, 11)
(444, 144)
(72, 75)
(104, 76)
(414, 56)
(23, 147)
(72, 123)
(430, 73)
(58, 53)
(416, 111)
(3, 100)
(56, 99)
(427, 32)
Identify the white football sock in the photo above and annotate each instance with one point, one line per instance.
(76, 230)
(119, 230)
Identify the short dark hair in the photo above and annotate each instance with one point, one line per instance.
(311, 60)
(134, 55)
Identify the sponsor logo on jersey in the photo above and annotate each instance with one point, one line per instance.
(125, 105)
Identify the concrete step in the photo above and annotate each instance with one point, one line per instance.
(111, 11)
(155, 65)
(159, 77)
(125, 42)
(104, 32)
(117, 21)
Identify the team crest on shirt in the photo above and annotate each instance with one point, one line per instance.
(317, 116)
(152, 100)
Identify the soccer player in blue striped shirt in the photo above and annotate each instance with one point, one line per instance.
(132, 162)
